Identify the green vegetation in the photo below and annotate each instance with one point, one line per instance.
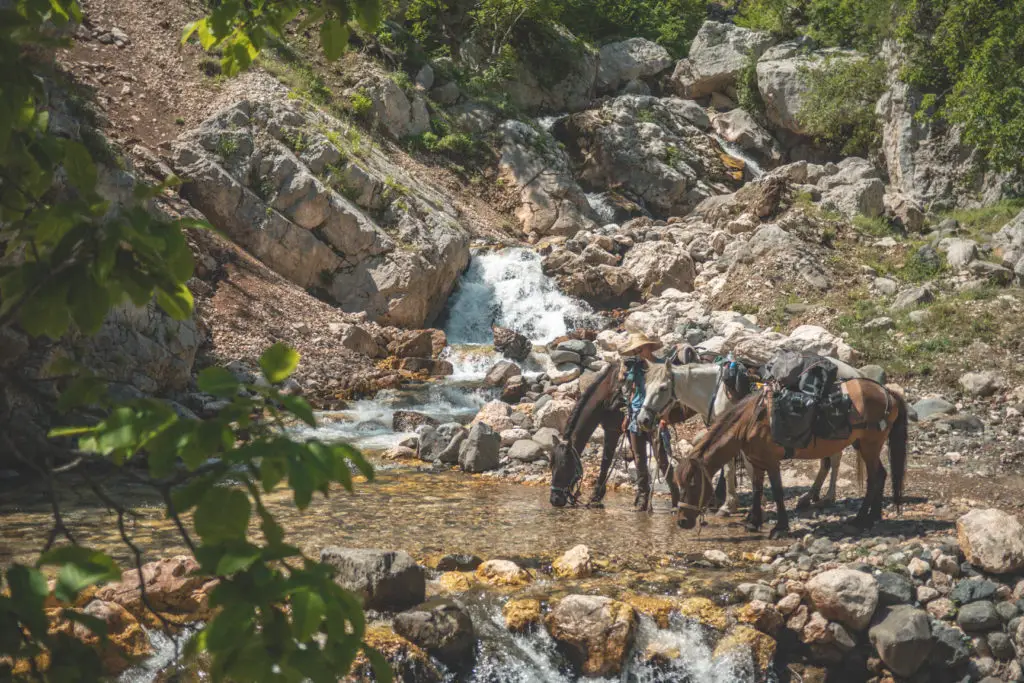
(747, 94)
(226, 146)
(988, 219)
(672, 155)
(839, 107)
(68, 260)
(876, 227)
(670, 23)
(360, 104)
(966, 55)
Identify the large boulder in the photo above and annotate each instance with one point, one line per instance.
(718, 53)
(174, 587)
(398, 113)
(551, 203)
(628, 60)
(992, 540)
(859, 198)
(845, 595)
(526, 450)
(650, 147)
(495, 414)
(265, 173)
(554, 414)
(501, 372)
(440, 627)
(480, 451)
(597, 632)
(1008, 244)
(409, 420)
(657, 266)
(126, 642)
(384, 579)
(902, 637)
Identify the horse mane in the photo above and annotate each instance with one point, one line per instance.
(584, 401)
(724, 423)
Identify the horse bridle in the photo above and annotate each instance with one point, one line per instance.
(572, 491)
(706, 486)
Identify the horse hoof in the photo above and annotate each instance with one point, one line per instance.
(723, 512)
(752, 528)
(803, 503)
(595, 506)
(778, 532)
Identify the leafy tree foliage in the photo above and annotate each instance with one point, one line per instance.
(68, 257)
(839, 107)
(671, 23)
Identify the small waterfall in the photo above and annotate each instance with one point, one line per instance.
(602, 207)
(548, 122)
(734, 150)
(509, 289)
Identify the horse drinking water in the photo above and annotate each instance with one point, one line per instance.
(876, 415)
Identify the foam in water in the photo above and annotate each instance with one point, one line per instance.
(162, 658)
(508, 288)
(734, 150)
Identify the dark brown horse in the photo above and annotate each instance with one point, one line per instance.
(601, 404)
(877, 415)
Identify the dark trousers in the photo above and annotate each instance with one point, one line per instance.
(639, 442)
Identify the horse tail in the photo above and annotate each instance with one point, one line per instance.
(898, 451)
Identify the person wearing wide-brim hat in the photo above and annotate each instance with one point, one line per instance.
(639, 351)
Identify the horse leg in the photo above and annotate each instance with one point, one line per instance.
(814, 495)
(781, 527)
(612, 432)
(871, 508)
(834, 462)
(754, 518)
(729, 505)
(667, 470)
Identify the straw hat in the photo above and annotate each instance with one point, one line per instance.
(637, 341)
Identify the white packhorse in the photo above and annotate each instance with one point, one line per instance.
(694, 384)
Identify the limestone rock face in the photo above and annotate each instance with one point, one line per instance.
(782, 81)
(361, 231)
(551, 203)
(651, 147)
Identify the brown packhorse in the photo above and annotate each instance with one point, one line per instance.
(876, 415)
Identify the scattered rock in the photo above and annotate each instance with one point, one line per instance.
(910, 298)
(846, 596)
(574, 564)
(479, 453)
(978, 617)
(894, 589)
(597, 632)
(409, 420)
(502, 573)
(933, 407)
(981, 384)
(442, 628)
(527, 450)
(992, 540)
(174, 587)
(973, 590)
(902, 637)
(511, 344)
(384, 579)
(704, 612)
(628, 60)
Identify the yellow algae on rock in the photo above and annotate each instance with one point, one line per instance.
(456, 582)
(703, 611)
(522, 615)
(502, 573)
(656, 607)
(747, 639)
(408, 662)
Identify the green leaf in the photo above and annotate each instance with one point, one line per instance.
(300, 408)
(368, 14)
(82, 391)
(188, 496)
(301, 481)
(89, 303)
(202, 444)
(279, 362)
(80, 568)
(178, 255)
(177, 303)
(236, 557)
(218, 382)
(272, 471)
(307, 612)
(28, 592)
(381, 668)
(46, 313)
(222, 515)
(271, 529)
(79, 166)
(333, 38)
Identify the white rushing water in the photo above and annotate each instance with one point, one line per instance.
(602, 207)
(736, 151)
(508, 288)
